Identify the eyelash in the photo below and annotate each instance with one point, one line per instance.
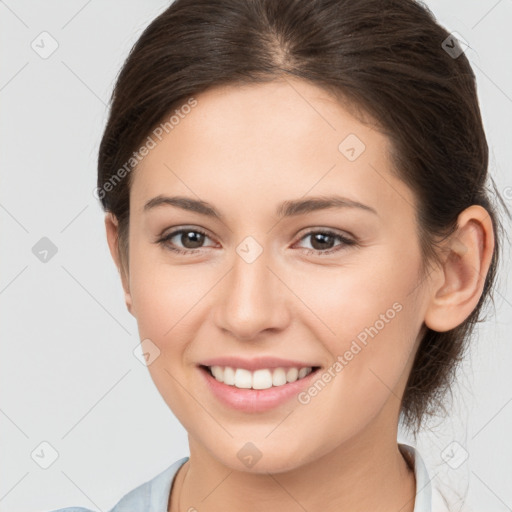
(345, 241)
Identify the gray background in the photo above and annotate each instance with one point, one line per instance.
(68, 373)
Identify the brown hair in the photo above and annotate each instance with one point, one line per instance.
(386, 58)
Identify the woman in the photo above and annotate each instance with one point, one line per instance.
(295, 196)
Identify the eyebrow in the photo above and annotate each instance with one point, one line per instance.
(285, 209)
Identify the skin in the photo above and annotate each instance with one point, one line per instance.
(245, 150)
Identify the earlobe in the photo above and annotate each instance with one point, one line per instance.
(111, 227)
(463, 273)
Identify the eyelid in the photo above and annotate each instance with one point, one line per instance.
(176, 230)
(309, 231)
(329, 231)
(347, 240)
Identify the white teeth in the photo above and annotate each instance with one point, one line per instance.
(292, 374)
(243, 378)
(228, 376)
(278, 377)
(303, 372)
(259, 379)
(217, 372)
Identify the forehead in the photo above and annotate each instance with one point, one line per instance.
(282, 137)
(281, 111)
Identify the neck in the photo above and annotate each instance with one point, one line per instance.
(355, 477)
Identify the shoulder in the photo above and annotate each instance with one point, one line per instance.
(428, 498)
(150, 496)
(72, 509)
(153, 495)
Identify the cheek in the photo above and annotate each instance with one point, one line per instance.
(373, 365)
(368, 317)
(162, 295)
(164, 305)
(342, 302)
(165, 301)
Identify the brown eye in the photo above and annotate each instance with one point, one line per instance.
(184, 240)
(194, 238)
(322, 242)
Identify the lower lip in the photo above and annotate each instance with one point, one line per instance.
(255, 400)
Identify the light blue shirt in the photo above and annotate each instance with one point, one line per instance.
(153, 495)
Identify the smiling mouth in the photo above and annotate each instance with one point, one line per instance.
(264, 378)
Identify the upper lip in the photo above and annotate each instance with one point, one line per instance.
(256, 363)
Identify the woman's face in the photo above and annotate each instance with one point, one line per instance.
(271, 278)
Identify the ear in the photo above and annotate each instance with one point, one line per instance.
(111, 226)
(462, 277)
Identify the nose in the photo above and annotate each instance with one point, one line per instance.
(252, 300)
